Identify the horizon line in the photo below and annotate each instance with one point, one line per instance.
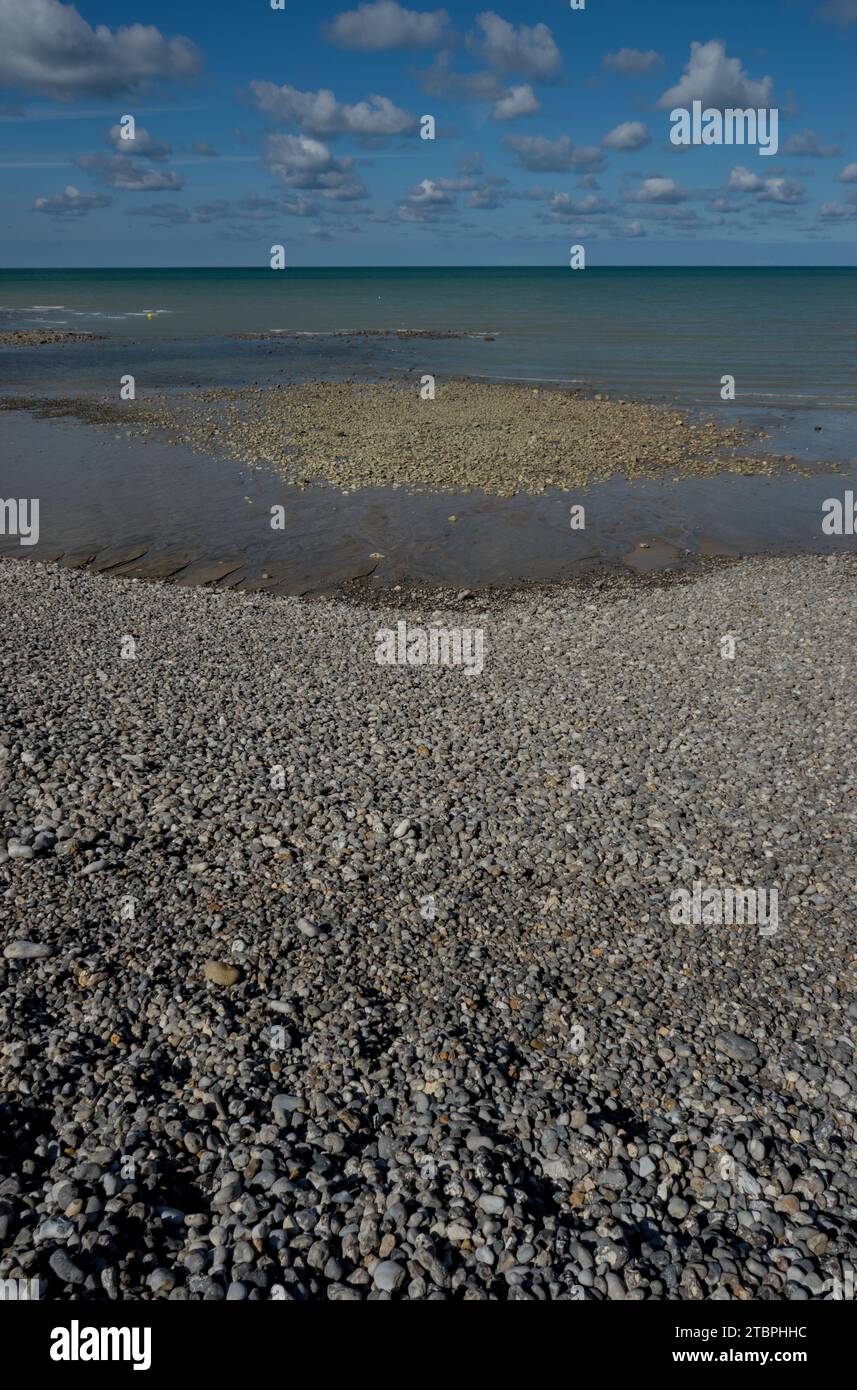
(625, 265)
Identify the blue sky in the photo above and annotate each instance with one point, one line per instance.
(300, 126)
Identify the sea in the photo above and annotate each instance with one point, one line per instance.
(788, 336)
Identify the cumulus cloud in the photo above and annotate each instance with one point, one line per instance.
(634, 229)
(515, 48)
(849, 174)
(806, 144)
(71, 203)
(537, 153)
(430, 193)
(768, 190)
(657, 190)
(117, 171)
(47, 47)
(372, 28)
(142, 146)
(302, 163)
(743, 180)
(778, 190)
(320, 114)
(717, 81)
(562, 206)
(203, 147)
(632, 62)
(426, 202)
(518, 101)
(630, 135)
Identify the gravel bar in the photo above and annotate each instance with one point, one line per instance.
(326, 979)
(501, 438)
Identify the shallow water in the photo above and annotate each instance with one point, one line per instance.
(157, 509)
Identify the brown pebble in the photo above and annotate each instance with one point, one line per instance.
(220, 974)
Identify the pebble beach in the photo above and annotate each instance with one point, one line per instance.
(329, 980)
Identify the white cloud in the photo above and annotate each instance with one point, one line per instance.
(539, 154)
(122, 173)
(510, 48)
(849, 174)
(630, 135)
(47, 47)
(142, 146)
(426, 202)
(657, 190)
(302, 163)
(429, 193)
(786, 191)
(320, 114)
(631, 62)
(742, 180)
(202, 147)
(385, 24)
(717, 81)
(71, 203)
(518, 101)
(770, 190)
(562, 206)
(634, 229)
